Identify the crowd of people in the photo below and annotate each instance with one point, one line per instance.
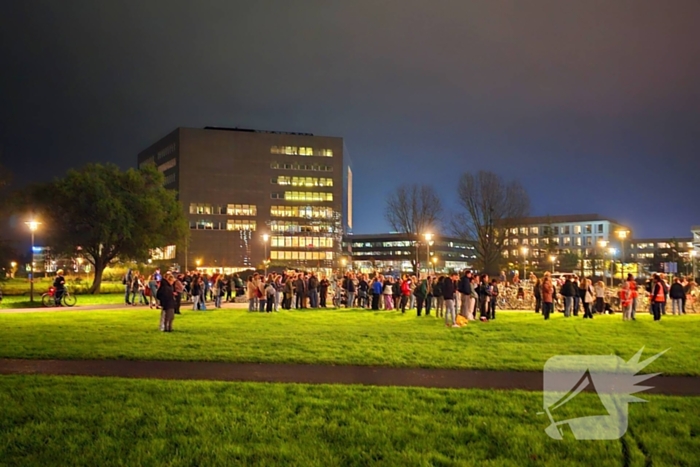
(456, 297)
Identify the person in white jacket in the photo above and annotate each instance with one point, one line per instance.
(588, 299)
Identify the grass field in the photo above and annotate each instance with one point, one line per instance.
(20, 286)
(22, 301)
(514, 341)
(91, 421)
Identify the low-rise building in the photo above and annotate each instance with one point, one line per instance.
(401, 252)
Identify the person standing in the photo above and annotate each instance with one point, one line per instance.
(588, 297)
(677, 294)
(59, 285)
(376, 291)
(405, 293)
(363, 291)
(600, 297)
(547, 297)
(323, 290)
(634, 293)
(625, 296)
(493, 297)
(153, 287)
(429, 296)
(537, 293)
(568, 290)
(439, 297)
(128, 282)
(448, 293)
(483, 292)
(658, 297)
(388, 293)
(421, 292)
(464, 287)
(178, 290)
(166, 297)
(250, 294)
(313, 290)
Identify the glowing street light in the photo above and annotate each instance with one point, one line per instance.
(33, 226)
(265, 238)
(622, 235)
(525, 251)
(428, 241)
(552, 259)
(612, 251)
(434, 260)
(198, 262)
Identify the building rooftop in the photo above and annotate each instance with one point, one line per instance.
(249, 130)
(562, 219)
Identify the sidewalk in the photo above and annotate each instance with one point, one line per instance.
(317, 374)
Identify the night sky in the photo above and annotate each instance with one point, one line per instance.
(593, 105)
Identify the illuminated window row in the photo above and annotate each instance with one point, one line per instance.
(233, 224)
(167, 165)
(302, 255)
(301, 242)
(301, 151)
(301, 211)
(302, 181)
(311, 167)
(229, 209)
(169, 179)
(303, 196)
(295, 227)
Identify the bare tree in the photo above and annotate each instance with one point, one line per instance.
(490, 207)
(414, 209)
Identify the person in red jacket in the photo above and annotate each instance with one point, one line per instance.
(633, 293)
(405, 292)
(658, 297)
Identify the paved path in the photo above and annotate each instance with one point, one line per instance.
(316, 374)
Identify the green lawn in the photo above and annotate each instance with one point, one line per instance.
(22, 301)
(515, 341)
(102, 421)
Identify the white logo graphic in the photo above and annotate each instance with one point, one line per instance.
(609, 376)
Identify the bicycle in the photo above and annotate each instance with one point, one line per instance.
(48, 299)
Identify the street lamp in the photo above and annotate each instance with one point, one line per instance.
(33, 225)
(622, 235)
(13, 265)
(434, 260)
(265, 238)
(525, 250)
(198, 262)
(343, 262)
(552, 259)
(612, 264)
(428, 238)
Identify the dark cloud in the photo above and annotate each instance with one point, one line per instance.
(593, 104)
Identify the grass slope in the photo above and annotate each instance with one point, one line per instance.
(515, 341)
(90, 421)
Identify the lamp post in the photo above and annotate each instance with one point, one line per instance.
(343, 262)
(198, 262)
(552, 259)
(434, 260)
(428, 238)
(622, 235)
(525, 250)
(612, 265)
(33, 225)
(265, 238)
(602, 244)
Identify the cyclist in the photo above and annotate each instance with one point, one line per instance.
(59, 285)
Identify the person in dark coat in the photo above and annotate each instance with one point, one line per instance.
(166, 297)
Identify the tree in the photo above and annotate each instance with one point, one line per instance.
(414, 209)
(491, 206)
(106, 214)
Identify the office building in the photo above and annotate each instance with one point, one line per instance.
(536, 239)
(256, 198)
(652, 253)
(398, 252)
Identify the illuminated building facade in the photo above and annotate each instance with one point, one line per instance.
(253, 196)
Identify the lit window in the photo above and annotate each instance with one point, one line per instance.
(534, 230)
(201, 208)
(577, 230)
(241, 210)
(238, 224)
